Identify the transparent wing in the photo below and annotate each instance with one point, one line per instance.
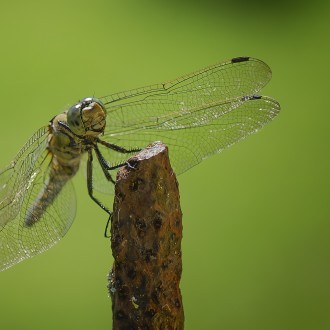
(196, 115)
(23, 182)
(189, 143)
(16, 177)
(220, 82)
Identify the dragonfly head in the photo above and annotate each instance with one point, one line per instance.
(87, 117)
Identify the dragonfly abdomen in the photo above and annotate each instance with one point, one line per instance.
(59, 175)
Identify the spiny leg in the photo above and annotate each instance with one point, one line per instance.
(90, 182)
(117, 148)
(104, 164)
(105, 168)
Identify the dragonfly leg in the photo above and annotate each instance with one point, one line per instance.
(105, 168)
(107, 226)
(90, 182)
(120, 165)
(104, 165)
(118, 148)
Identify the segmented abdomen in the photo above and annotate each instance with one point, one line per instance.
(59, 175)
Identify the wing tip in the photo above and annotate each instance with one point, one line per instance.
(276, 105)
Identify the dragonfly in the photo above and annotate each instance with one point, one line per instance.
(196, 115)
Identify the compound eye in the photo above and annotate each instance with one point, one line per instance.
(87, 117)
(74, 119)
(93, 116)
(87, 101)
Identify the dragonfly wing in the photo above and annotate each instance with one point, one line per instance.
(197, 133)
(18, 175)
(150, 106)
(183, 113)
(20, 239)
(222, 81)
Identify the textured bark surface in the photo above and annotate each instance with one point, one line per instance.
(146, 233)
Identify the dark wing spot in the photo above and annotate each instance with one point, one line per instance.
(240, 59)
(251, 97)
(256, 97)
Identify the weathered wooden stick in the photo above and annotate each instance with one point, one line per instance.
(146, 233)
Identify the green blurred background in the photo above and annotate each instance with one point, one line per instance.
(256, 218)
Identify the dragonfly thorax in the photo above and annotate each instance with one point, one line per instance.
(87, 117)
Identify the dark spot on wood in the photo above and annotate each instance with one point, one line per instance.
(177, 222)
(141, 226)
(154, 297)
(131, 273)
(150, 313)
(148, 255)
(142, 299)
(159, 287)
(139, 292)
(165, 264)
(120, 315)
(123, 292)
(136, 185)
(154, 174)
(115, 240)
(177, 303)
(157, 222)
(155, 246)
(121, 196)
(118, 281)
